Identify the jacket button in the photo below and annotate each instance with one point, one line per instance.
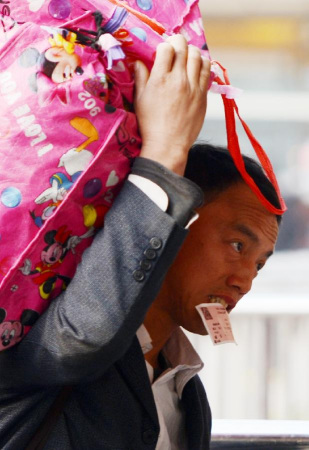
(155, 243)
(146, 265)
(138, 275)
(149, 436)
(150, 253)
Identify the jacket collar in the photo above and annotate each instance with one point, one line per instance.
(133, 368)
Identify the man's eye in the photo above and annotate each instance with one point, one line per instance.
(237, 246)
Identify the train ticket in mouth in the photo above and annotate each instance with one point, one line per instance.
(217, 322)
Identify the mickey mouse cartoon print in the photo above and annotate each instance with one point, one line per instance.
(46, 274)
(12, 331)
(55, 65)
(60, 62)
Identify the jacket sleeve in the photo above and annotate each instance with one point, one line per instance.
(91, 325)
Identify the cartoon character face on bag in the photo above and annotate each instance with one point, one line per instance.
(58, 63)
(56, 248)
(11, 332)
(52, 253)
(60, 66)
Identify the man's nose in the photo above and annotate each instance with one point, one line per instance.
(241, 278)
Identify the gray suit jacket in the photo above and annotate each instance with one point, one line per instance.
(86, 338)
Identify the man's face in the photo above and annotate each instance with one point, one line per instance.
(226, 247)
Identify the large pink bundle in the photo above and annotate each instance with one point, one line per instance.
(68, 134)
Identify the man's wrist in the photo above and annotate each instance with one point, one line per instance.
(174, 160)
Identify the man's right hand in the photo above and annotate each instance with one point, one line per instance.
(170, 102)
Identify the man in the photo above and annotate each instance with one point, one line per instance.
(226, 247)
(129, 276)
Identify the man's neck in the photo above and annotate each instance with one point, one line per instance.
(160, 327)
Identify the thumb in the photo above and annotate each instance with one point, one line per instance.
(141, 75)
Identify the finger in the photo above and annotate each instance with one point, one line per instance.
(141, 76)
(194, 65)
(164, 59)
(180, 45)
(205, 74)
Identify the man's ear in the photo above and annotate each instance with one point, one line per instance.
(2, 314)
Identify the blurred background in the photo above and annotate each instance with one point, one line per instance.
(264, 45)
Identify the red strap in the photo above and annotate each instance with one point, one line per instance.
(231, 108)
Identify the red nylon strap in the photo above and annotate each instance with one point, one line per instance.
(231, 108)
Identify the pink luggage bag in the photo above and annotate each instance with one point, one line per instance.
(68, 136)
(68, 133)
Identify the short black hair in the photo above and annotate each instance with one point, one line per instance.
(213, 170)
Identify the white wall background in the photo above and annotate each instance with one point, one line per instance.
(244, 7)
(266, 376)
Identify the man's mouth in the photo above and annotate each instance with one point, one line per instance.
(227, 302)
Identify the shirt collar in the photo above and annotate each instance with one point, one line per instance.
(183, 361)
